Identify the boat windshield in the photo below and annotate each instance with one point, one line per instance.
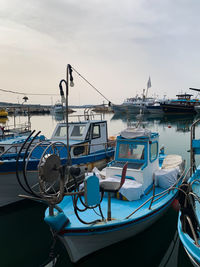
(61, 131)
(78, 131)
(131, 151)
(75, 131)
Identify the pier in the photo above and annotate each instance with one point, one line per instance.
(26, 108)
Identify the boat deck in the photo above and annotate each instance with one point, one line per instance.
(120, 210)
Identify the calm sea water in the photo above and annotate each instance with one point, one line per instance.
(25, 240)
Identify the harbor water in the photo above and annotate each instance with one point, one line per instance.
(26, 241)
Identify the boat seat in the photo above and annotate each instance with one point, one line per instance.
(113, 187)
(131, 189)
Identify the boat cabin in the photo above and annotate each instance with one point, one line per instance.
(85, 137)
(140, 149)
(184, 96)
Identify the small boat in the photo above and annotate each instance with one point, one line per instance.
(59, 108)
(189, 199)
(88, 144)
(12, 131)
(134, 190)
(83, 143)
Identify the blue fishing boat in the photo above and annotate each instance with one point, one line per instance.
(88, 145)
(82, 143)
(123, 199)
(189, 199)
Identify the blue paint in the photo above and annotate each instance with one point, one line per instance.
(92, 193)
(57, 221)
(196, 146)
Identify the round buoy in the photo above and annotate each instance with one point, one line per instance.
(175, 205)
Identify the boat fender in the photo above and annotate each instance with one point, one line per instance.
(57, 222)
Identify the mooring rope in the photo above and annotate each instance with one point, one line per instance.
(92, 85)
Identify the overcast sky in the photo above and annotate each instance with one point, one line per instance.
(116, 45)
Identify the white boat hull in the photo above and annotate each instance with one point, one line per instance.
(10, 188)
(79, 246)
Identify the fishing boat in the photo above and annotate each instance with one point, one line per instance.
(59, 108)
(184, 104)
(189, 199)
(88, 145)
(83, 143)
(134, 105)
(123, 199)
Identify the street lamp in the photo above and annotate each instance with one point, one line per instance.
(25, 99)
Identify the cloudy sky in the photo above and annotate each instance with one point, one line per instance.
(116, 45)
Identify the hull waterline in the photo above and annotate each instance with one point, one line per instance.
(79, 246)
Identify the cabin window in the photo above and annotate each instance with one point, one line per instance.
(78, 150)
(61, 131)
(96, 131)
(153, 151)
(78, 130)
(131, 151)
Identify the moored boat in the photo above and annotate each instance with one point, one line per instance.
(135, 105)
(82, 142)
(189, 199)
(134, 190)
(88, 144)
(182, 105)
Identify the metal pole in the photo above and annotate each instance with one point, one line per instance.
(66, 113)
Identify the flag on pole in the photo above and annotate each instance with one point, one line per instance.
(149, 83)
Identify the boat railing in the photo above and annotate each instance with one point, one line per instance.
(18, 127)
(13, 146)
(192, 151)
(110, 143)
(87, 116)
(156, 197)
(193, 231)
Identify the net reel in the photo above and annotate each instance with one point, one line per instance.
(46, 179)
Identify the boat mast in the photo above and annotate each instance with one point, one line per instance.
(148, 86)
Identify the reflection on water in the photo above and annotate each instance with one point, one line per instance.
(181, 122)
(26, 237)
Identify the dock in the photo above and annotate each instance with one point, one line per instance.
(23, 109)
